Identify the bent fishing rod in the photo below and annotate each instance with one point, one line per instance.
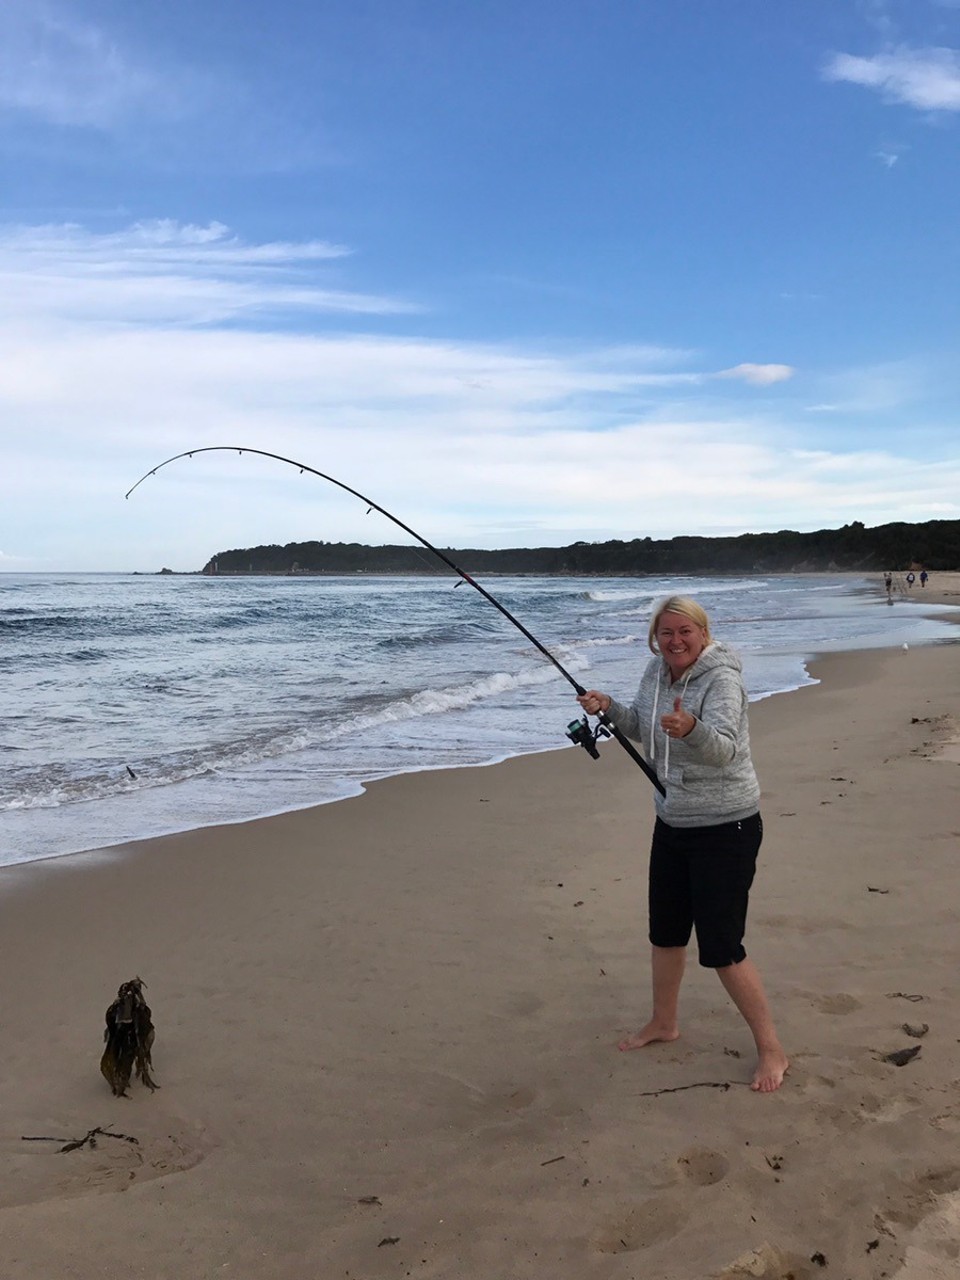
(578, 731)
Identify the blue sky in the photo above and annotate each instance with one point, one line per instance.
(523, 272)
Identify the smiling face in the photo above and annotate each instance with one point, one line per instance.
(680, 640)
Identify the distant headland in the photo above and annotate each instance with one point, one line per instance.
(933, 545)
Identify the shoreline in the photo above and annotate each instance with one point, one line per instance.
(946, 593)
(414, 995)
(362, 785)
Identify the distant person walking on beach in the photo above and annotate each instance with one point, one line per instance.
(888, 583)
(690, 714)
(923, 577)
(910, 579)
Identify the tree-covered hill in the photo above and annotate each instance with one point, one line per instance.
(933, 545)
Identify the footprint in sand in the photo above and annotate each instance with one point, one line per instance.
(512, 1100)
(917, 1198)
(940, 1182)
(523, 1005)
(702, 1167)
(948, 1120)
(638, 1227)
(516, 1105)
(33, 1172)
(767, 1263)
(837, 1004)
(507, 1107)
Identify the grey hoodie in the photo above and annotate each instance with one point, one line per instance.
(708, 775)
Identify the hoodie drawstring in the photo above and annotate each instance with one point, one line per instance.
(653, 727)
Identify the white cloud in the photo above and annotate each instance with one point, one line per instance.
(759, 375)
(168, 273)
(545, 452)
(122, 350)
(62, 72)
(68, 72)
(157, 244)
(928, 79)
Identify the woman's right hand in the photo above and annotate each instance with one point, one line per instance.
(594, 702)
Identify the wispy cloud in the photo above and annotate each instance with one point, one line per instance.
(759, 375)
(124, 348)
(928, 79)
(166, 272)
(66, 76)
(475, 444)
(877, 14)
(873, 389)
(159, 244)
(67, 72)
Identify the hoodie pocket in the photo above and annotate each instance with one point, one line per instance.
(703, 788)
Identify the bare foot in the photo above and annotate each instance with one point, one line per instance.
(649, 1034)
(772, 1066)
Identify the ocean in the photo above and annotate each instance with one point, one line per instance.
(135, 706)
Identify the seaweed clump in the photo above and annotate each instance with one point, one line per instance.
(129, 1038)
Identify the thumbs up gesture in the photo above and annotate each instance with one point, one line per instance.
(677, 723)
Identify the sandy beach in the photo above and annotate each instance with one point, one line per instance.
(386, 1027)
(942, 588)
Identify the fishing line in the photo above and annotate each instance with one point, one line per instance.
(579, 731)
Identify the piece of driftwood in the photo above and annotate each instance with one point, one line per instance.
(129, 1039)
(679, 1088)
(88, 1140)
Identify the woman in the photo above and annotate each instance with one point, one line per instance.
(690, 714)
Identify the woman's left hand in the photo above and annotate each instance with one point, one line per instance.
(678, 723)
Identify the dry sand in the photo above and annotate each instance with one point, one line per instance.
(386, 1027)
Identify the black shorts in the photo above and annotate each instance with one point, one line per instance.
(700, 877)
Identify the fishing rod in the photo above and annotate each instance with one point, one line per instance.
(578, 731)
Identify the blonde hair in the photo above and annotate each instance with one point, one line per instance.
(678, 604)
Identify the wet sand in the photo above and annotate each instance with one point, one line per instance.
(386, 1027)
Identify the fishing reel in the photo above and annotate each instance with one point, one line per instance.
(579, 731)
